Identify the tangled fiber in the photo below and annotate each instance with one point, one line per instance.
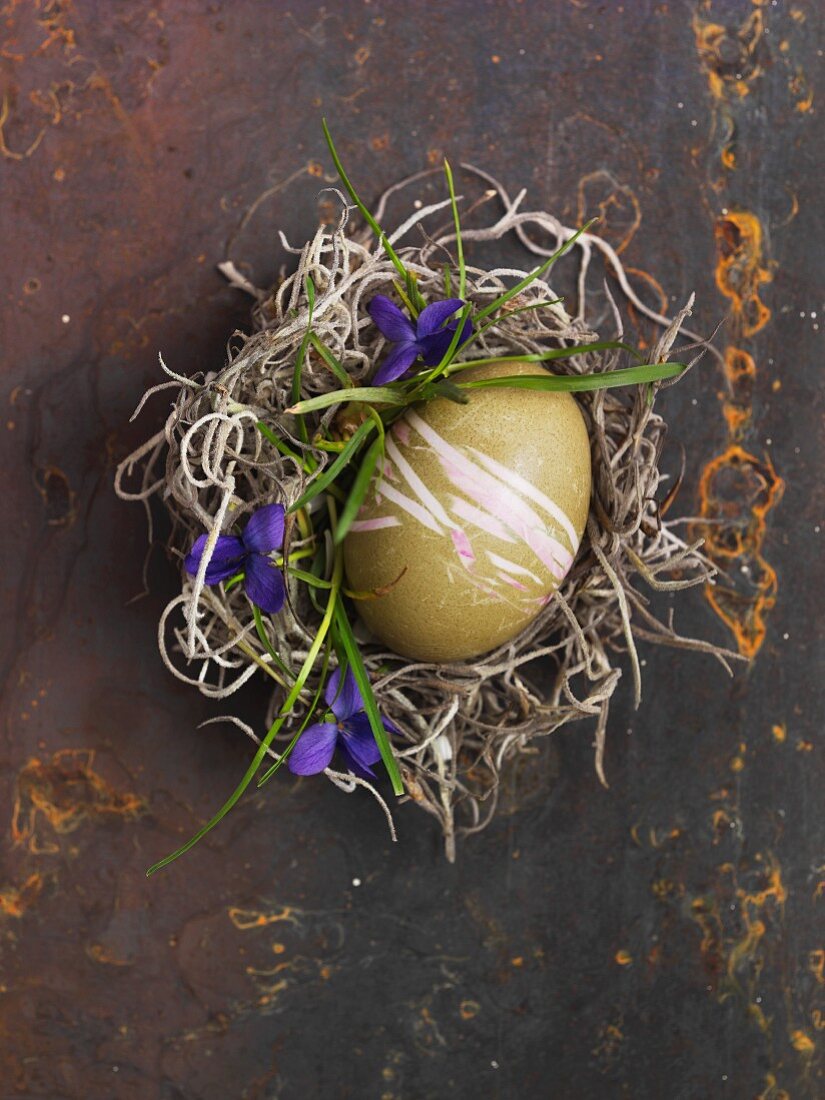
(460, 724)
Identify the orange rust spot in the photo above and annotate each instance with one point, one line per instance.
(804, 746)
(623, 957)
(15, 900)
(610, 1039)
(663, 888)
(721, 823)
(740, 371)
(816, 965)
(517, 960)
(64, 792)
(244, 919)
(729, 158)
(278, 948)
(736, 490)
(620, 213)
(733, 59)
(101, 954)
(315, 169)
(325, 972)
(732, 952)
(658, 839)
(58, 496)
(736, 419)
(771, 1092)
(801, 1041)
(743, 961)
(780, 733)
(801, 90)
(736, 493)
(740, 270)
(663, 303)
(737, 764)
(380, 143)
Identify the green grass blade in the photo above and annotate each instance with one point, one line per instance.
(375, 395)
(459, 246)
(262, 634)
(513, 312)
(284, 448)
(405, 298)
(308, 578)
(531, 278)
(545, 356)
(359, 489)
(347, 639)
(331, 362)
(580, 383)
(323, 480)
(370, 220)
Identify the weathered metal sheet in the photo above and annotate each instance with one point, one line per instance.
(660, 938)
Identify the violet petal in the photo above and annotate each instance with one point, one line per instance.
(434, 347)
(398, 362)
(314, 749)
(352, 761)
(264, 584)
(360, 741)
(391, 321)
(433, 316)
(265, 530)
(346, 701)
(227, 558)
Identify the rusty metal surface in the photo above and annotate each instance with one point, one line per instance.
(661, 938)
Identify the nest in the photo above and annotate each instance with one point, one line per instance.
(460, 724)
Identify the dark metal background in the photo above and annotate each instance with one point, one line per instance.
(663, 938)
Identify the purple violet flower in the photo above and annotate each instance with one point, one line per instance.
(262, 582)
(350, 733)
(426, 338)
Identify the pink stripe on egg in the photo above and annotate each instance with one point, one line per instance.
(375, 524)
(401, 431)
(496, 497)
(513, 582)
(462, 545)
(480, 519)
(410, 506)
(527, 489)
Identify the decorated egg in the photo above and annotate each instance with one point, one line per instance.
(474, 519)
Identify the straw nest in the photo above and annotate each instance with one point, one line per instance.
(460, 724)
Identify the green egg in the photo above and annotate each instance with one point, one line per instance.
(473, 521)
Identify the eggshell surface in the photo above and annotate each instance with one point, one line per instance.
(474, 519)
